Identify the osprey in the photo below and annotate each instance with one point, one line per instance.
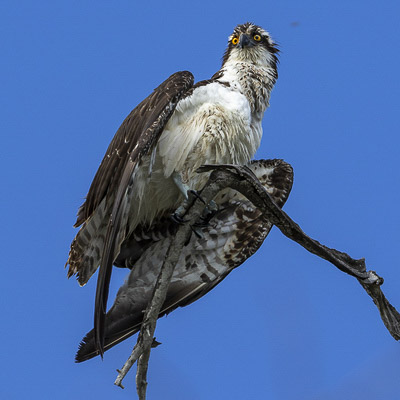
(152, 160)
(232, 235)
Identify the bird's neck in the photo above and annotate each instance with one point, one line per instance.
(255, 81)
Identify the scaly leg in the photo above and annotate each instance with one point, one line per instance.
(190, 196)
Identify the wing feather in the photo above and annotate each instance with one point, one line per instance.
(136, 138)
(136, 132)
(235, 233)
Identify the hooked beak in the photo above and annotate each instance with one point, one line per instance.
(244, 41)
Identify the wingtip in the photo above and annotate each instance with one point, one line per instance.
(81, 355)
(99, 338)
(86, 349)
(100, 350)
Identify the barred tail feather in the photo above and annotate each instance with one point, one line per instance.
(86, 248)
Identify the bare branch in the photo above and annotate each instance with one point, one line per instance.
(244, 181)
(128, 365)
(141, 350)
(141, 374)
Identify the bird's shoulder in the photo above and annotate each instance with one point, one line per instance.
(213, 92)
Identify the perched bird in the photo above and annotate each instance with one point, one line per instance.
(152, 159)
(232, 235)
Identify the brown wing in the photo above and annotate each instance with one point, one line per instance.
(135, 138)
(140, 131)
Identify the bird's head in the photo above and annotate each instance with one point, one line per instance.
(251, 43)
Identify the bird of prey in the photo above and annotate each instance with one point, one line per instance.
(232, 235)
(152, 160)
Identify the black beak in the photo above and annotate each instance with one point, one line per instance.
(244, 41)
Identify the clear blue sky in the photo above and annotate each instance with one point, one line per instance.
(285, 325)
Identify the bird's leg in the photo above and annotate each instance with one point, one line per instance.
(190, 195)
(180, 212)
(208, 212)
(183, 188)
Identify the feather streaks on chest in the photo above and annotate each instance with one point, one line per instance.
(254, 81)
(213, 125)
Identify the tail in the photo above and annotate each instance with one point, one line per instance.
(118, 327)
(87, 246)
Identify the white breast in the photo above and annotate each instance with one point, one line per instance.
(213, 125)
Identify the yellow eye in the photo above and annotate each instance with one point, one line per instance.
(235, 41)
(257, 38)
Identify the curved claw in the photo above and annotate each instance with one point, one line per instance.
(208, 213)
(177, 218)
(197, 195)
(197, 231)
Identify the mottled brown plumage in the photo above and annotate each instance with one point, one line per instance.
(232, 235)
(135, 138)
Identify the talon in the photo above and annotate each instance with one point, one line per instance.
(196, 194)
(209, 212)
(212, 207)
(197, 231)
(175, 217)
